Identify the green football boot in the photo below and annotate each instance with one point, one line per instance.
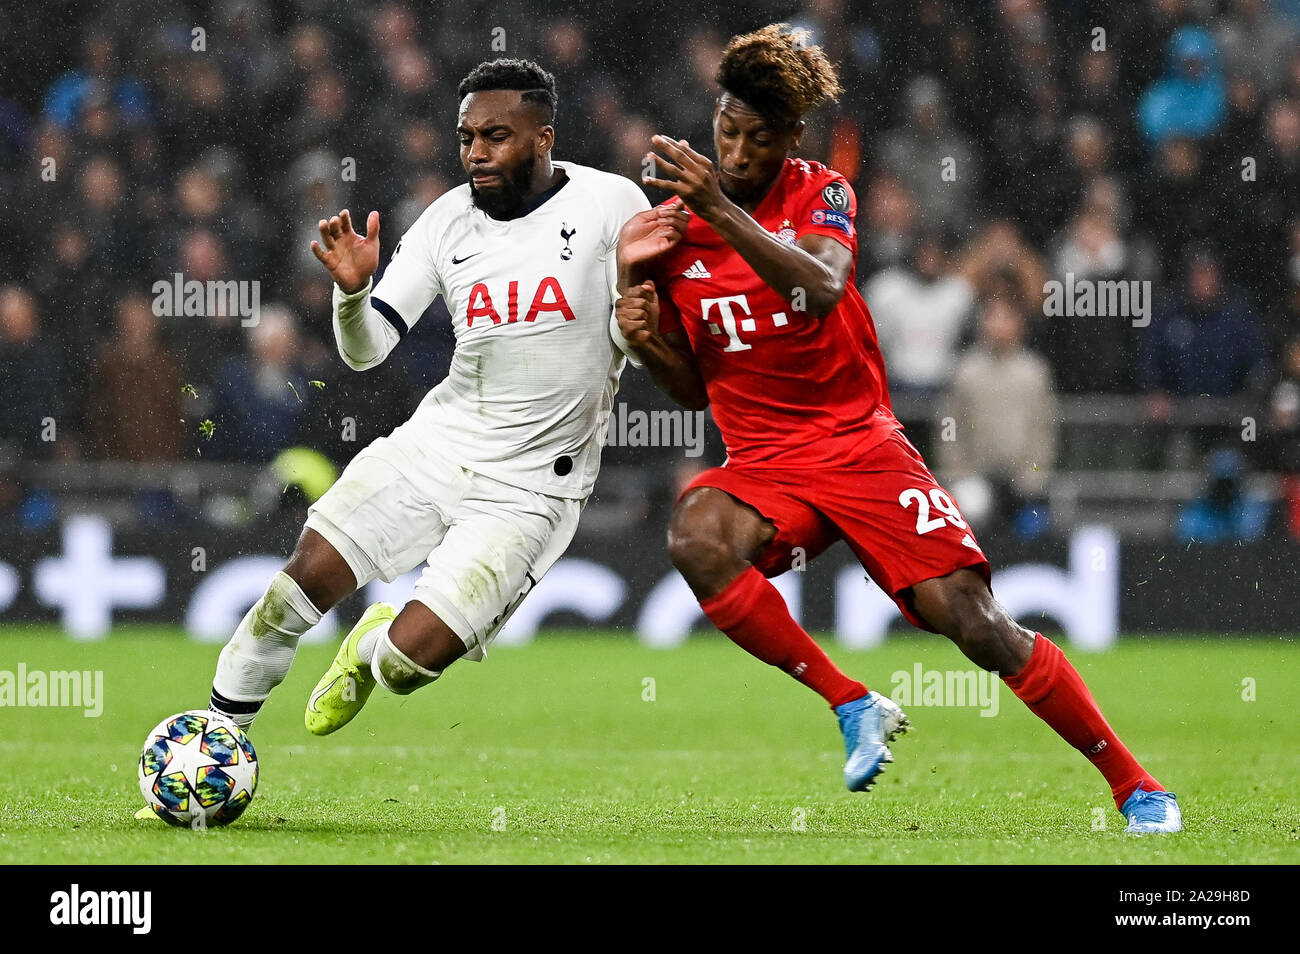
(346, 685)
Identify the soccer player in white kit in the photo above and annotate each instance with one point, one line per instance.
(487, 478)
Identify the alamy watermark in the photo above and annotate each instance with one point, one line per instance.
(176, 297)
(631, 427)
(60, 689)
(133, 909)
(922, 687)
(1089, 298)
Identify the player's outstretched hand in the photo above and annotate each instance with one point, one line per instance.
(649, 234)
(694, 178)
(637, 313)
(350, 258)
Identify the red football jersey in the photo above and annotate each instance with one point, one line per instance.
(785, 387)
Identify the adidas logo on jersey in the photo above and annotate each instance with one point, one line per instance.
(697, 270)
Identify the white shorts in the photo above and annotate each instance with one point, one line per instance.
(487, 543)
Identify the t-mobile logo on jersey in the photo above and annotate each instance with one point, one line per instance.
(730, 325)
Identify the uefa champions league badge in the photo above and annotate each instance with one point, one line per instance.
(832, 218)
(786, 232)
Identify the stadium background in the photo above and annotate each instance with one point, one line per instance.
(1180, 439)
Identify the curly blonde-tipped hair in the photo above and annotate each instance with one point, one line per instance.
(777, 72)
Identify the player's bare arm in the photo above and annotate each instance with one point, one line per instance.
(350, 258)
(667, 357)
(818, 265)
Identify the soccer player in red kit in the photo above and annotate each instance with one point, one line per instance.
(753, 310)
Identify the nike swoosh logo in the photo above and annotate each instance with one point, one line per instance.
(457, 261)
(316, 696)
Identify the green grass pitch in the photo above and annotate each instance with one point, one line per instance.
(551, 753)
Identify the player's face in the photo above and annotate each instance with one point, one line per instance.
(500, 143)
(751, 150)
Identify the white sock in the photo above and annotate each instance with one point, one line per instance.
(395, 671)
(367, 643)
(259, 654)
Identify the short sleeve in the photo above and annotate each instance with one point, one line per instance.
(625, 200)
(411, 282)
(829, 209)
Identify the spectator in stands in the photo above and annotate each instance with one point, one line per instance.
(1087, 159)
(1093, 247)
(101, 212)
(1226, 512)
(99, 74)
(29, 383)
(889, 220)
(135, 409)
(1191, 98)
(1175, 206)
(1278, 187)
(1290, 81)
(1098, 90)
(568, 55)
(262, 399)
(692, 115)
(1206, 340)
(69, 284)
(933, 158)
(1255, 40)
(920, 310)
(250, 51)
(1000, 262)
(629, 145)
(1283, 444)
(1284, 317)
(1001, 441)
(200, 202)
(1240, 133)
(1233, 158)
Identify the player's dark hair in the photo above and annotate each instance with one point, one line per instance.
(534, 83)
(778, 73)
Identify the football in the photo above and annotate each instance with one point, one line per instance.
(198, 769)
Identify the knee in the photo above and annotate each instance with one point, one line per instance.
(981, 628)
(320, 570)
(280, 617)
(712, 539)
(698, 554)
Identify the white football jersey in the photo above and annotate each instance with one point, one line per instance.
(532, 381)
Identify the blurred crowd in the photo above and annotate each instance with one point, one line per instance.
(993, 147)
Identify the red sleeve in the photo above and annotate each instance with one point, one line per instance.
(828, 207)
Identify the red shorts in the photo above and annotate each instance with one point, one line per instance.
(902, 526)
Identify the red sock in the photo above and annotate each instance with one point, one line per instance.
(1055, 692)
(752, 613)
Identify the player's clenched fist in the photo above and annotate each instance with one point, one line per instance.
(350, 258)
(637, 313)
